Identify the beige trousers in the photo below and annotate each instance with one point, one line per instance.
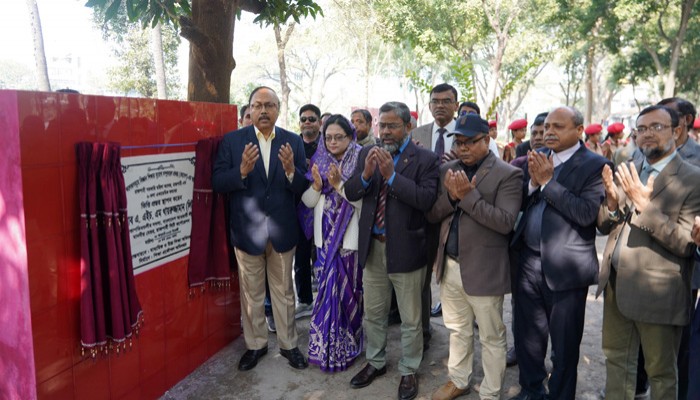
(252, 272)
(459, 310)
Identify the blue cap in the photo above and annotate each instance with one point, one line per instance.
(470, 125)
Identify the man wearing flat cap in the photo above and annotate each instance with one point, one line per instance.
(478, 201)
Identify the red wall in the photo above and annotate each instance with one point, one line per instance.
(180, 331)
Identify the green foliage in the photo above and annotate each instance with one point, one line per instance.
(280, 11)
(462, 73)
(136, 69)
(517, 77)
(149, 12)
(135, 72)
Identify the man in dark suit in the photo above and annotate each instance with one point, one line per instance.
(536, 128)
(694, 358)
(554, 253)
(434, 136)
(397, 183)
(261, 167)
(478, 202)
(647, 264)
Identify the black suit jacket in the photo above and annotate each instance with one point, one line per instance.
(412, 194)
(567, 247)
(262, 206)
(522, 149)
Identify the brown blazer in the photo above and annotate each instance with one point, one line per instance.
(489, 213)
(656, 257)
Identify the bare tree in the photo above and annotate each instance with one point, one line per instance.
(157, 48)
(39, 54)
(282, 39)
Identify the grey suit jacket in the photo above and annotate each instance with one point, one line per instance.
(411, 194)
(489, 212)
(424, 135)
(656, 257)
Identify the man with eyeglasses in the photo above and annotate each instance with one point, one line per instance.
(310, 127)
(433, 136)
(397, 183)
(262, 167)
(647, 263)
(688, 150)
(555, 258)
(478, 201)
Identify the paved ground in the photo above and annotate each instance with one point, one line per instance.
(273, 378)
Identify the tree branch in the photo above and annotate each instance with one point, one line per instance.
(252, 6)
(659, 22)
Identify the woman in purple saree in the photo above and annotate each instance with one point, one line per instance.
(335, 334)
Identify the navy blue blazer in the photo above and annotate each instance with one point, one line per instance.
(410, 196)
(568, 254)
(261, 206)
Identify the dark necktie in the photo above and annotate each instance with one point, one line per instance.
(381, 205)
(440, 144)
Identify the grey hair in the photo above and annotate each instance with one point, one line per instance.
(399, 109)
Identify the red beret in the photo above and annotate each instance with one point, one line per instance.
(518, 124)
(617, 127)
(493, 123)
(696, 124)
(592, 129)
(414, 114)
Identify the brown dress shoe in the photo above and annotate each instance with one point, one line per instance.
(366, 376)
(408, 389)
(449, 391)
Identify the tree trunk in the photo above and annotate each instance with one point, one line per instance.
(210, 33)
(677, 43)
(39, 54)
(589, 84)
(282, 40)
(157, 49)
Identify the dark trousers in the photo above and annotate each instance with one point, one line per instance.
(541, 313)
(302, 268)
(432, 235)
(693, 376)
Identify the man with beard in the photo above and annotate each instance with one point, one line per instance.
(262, 167)
(397, 183)
(362, 120)
(647, 263)
(310, 126)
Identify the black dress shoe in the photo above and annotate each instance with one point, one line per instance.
(436, 311)
(250, 358)
(529, 396)
(366, 376)
(408, 388)
(296, 359)
(511, 359)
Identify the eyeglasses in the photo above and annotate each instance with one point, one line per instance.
(467, 143)
(310, 119)
(267, 106)
(653, 128)
(393, 127)
(444, 102)
(336, 138)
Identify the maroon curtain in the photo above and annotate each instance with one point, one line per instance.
(110, 311)
(209, 251)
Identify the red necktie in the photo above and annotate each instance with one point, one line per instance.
(381, 205)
